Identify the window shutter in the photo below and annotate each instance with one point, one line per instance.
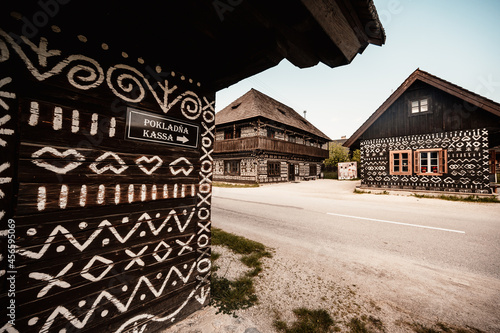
(391, 163)
(443, 161)
(416, 165)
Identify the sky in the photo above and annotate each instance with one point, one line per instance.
(456, 40)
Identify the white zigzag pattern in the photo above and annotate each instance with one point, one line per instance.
(105, 223)
(61, 310)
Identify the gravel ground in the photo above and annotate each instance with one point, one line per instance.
(289, 282)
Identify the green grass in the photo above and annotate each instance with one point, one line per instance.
(470, 198)
(221, 184)
(308, 321)
(441, 328)
(229, 296)
(331, 175)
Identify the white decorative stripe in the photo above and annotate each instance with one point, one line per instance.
(75, 121)
(193, 189)
(117, 194)
(153, 192)
(183, 191)
(34, 113)
(130, 193)
(143, 192)
(175, 190)
(93, 126)
(42, 198)
(63, 198)
(57, 124)
(165, 191)
(112, 127)
(100, 194)
(83, 195)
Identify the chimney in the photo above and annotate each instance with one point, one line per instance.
(305, 114)
(343, 137)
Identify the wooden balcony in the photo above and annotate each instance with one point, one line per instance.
(265, 144)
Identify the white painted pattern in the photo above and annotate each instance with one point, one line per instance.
(58, 118)
(101, 194)
(175, 170)
(63, 197)
(121, 307)
(117, 194)
(5, 131)
(83, 195)
(144, 192)
(34, 114)
(85, 271)
(144, 218)
(5, 94)
(59, 170)
(94, 124)
(42, 198)
(112, 127)
(146, 160)
(99, 170)
(52, 280)
(130, 193)
(75, 121)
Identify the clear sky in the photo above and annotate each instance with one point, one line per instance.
(456, 40)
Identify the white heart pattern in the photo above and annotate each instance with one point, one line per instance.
(144, 169)
(51, 167)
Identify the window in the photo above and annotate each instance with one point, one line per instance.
(313, 169)
(228, 134)
(232, 168)
(237, 132)
(431, 161)
(273, 169)
(292, 138)
(270, 133)
(420, 105)
(400, 162)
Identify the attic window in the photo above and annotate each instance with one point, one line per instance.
(282, 112)
(421, 105)
(235, 106)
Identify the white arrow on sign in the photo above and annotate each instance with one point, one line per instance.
(182, 139)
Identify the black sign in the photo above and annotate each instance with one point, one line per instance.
(146, 126)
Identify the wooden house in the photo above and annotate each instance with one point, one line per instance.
(432, 135)
(258, 139)
(106, 139)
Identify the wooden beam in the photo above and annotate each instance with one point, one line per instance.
(334, 23)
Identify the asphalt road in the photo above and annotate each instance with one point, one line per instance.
(464, 236)
(395, 245)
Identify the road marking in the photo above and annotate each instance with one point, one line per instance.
(399, 223)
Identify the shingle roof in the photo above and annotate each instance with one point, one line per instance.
(418, 74)
(255, 104)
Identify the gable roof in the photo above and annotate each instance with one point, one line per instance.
(255, 104)
(457, 91)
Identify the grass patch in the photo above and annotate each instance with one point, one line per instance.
(441, 328)
(229, 296)
(331, 175)
(470, 198)
(221, 184)
(317, 321)
(360, 191)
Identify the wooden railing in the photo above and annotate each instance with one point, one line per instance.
(266, 144)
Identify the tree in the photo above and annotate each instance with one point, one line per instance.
(337, 154)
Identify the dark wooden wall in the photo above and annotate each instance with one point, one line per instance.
(448, 113)
(112, 234)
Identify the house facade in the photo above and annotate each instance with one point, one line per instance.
(260, 140)
(430, 135)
